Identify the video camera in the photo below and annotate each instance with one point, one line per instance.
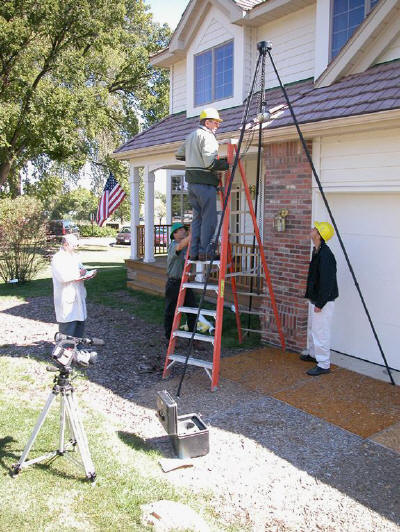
(66, 351)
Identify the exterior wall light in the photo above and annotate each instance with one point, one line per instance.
(279, 221)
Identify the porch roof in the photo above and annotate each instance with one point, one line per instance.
(376, 89)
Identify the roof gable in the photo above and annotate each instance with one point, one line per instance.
(375, 33)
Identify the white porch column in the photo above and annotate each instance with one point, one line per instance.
(134, 180)
(168, 194)
(148, 215)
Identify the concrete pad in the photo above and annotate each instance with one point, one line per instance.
(355, 402)
(266, 370)
(389, 437)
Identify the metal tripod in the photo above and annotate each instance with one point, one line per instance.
(69, 419)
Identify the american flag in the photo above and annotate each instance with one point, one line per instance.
(112, 196)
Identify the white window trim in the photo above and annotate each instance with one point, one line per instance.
(212, 49)
(237, 34)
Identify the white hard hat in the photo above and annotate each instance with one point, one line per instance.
(71, 240)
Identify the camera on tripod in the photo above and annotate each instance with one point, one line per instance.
(66, 351)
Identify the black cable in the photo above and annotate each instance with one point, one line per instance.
(227, 195)
(330, 215)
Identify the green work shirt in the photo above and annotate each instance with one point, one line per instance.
(175, 261)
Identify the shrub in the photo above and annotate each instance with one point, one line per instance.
(86, 230)
(22, 238)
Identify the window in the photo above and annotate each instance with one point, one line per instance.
(346, 17)
(213, 74)
(181, 210)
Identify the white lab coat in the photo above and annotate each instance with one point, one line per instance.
(69, 295)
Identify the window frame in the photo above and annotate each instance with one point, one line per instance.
(367, 10)
(212, 49)
(181, 194)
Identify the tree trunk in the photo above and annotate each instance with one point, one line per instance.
(4, 172)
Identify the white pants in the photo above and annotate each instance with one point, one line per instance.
(319, 334)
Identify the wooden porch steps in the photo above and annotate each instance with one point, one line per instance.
(147, 277)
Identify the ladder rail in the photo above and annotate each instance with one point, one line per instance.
(261, 248)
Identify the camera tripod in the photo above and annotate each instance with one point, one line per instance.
(69, 419)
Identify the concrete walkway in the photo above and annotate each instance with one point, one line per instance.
(360, 404)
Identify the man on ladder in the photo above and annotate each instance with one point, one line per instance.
(200, 153)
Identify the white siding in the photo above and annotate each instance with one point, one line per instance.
(249, 56)
(368, 160)
(213, 35)
(292, 39)
(361, 178)
(178, 87)
(391, 52)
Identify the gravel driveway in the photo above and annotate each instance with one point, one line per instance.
(271, 466)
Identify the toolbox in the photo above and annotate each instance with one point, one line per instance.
(188, 433)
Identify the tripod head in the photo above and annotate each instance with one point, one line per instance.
(263, 47)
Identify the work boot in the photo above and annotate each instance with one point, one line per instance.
(307, 358)
(317, 370)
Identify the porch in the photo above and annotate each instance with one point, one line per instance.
(151, 277)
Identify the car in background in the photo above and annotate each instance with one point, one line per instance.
(56, 229)
(161, 236)
(124, 236)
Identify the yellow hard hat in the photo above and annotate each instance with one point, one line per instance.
(325, 229)
(210, 113)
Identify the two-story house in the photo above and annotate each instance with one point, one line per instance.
(340, 62)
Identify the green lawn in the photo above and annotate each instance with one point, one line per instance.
(56, 496)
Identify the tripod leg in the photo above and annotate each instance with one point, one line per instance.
(62, 424)
(79, 434)
(21, 463)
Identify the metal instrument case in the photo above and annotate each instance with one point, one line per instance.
(188, 433)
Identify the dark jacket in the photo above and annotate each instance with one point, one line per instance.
(321, 282)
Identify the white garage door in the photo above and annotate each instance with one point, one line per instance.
(370, 227)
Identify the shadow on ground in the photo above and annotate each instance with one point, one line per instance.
(130, 366)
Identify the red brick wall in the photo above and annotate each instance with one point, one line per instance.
(287, 186)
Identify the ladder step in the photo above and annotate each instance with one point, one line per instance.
(202, 337)
(191, 361)
(242, 274)
(252, 330)
(215, 262)
(200, 286)
(252, 294)
(194, 310)
(252, 312)
(251, 233)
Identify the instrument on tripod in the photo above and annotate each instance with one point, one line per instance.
(72, 433)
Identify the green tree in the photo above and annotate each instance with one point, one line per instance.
(71, 69)
(47, 190)
(22, 238)
(76, 204)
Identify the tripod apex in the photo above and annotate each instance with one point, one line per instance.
(263, 46)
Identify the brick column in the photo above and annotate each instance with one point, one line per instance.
(288, 179)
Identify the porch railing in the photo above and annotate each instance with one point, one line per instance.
(243, 258)
(161, 239)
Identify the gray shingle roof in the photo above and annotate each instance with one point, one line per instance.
(377, 89)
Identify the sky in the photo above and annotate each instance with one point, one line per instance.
(169, 11)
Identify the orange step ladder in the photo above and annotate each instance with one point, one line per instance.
(212, 367)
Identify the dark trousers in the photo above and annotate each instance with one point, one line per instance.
(171, 297)
(72, 328)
